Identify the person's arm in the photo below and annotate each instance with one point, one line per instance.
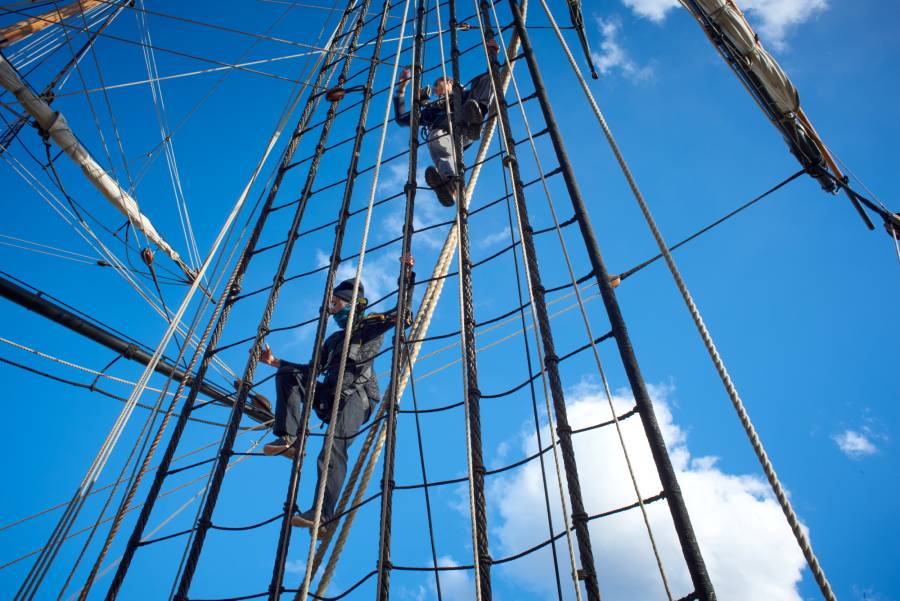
(269, 358)
(401, 115)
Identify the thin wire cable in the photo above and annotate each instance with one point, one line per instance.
(90, 237)
(420, 324)
(590, 334)
(329, 440)
(538, 345)
(461, 239)
(100, 460)
(96, 118)
(740, 409)
(159, 106)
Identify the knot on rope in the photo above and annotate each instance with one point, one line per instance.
(409, 187)
(551, 358)
(391, 484)
(583, 573)
(485, 559)
(567, 430)
(275, 591)
(129, 351)
(509, 160)
(475, 393)
(579, 516)
(204, 524)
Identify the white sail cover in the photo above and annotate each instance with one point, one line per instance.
(56, 126)
(763, 73)
(734, 26)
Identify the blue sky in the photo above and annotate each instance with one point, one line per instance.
(796, 292)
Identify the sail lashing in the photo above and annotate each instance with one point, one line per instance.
(57, 128)
(731, 33)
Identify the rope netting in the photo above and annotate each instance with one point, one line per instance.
(550, 334)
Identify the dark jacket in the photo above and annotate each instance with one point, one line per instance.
(434, 114)
(365, 344)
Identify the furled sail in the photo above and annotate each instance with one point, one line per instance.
(58, 129)
(728, 29)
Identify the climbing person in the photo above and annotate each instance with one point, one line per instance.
(433, 119)
(359, 391)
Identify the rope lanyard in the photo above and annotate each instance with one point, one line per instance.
(226, 303)
(740, 409)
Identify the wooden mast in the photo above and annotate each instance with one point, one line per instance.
(21, 30)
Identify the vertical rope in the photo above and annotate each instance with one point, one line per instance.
(536, 417)
(471, 393)
(678, 509)
(590, 336)
(329, 438)
(392, 398)
(224, 307)
(550, 359)
(275, 586)
(419, 330)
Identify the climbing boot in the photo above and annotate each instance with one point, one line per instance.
(306, 520)
(470, 123)
(283, 445)
(441, 185)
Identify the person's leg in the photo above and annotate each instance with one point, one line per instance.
(482, 91)
(290, 390)
(350, 418)
(289, 397)
(440, 177)
(440, 145)
(478, 100)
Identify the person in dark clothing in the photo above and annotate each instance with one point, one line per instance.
(435, 123)
(359, 391)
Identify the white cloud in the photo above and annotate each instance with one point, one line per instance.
(655, 10)
(391, 180)
(492, 239)
(747, 545)
(428, 212)
(773, 19)
(295, 566)
(379, 275)
(854, 445)
(456, 585)
(613, 56)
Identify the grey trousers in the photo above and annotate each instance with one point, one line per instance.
(290, 386)
(440, 144)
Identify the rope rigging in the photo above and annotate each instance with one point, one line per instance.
(530, 315)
